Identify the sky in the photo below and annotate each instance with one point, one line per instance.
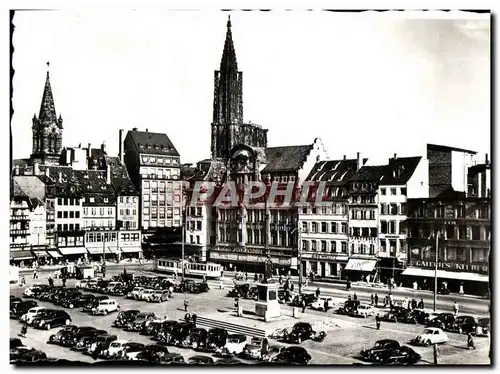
(376, 83)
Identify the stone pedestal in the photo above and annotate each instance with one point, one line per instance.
(267, 305)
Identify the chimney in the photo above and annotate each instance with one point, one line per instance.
(120, 145)
(134, 129)
(108, 174)
(360, 161)
(103, 146)
(486, 160)
(395, 156)
(60, 177)
(479, 184)
(345, 157)
(88, 151)
(146, 130)
(36, 170)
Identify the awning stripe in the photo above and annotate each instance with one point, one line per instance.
(54, 254)
(360, 264)
(131, 250)
(418, 272)
(72, 251)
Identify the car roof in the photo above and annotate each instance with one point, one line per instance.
(387, 341)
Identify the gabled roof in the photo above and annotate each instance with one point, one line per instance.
(35, 202)
(286, 159)
(437, 147)
(369, 174)
(17, 191)
(445, 192)
(399, 170)
(152, 143)
(334, 171)
(120, 180)
(21, 162)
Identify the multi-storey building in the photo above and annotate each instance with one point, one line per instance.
(19, 225)
(99, 204)
(324, 228)
(153, 165)
(38, 227)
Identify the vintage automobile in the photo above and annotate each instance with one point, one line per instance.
(124, 317)
(140, 321)
(101, 343)
(152, 328)
(69, 338)
(134, 293)
(56, 338)
(309, 299)
(431, 335)
(292, 356)
(85, 338)
(152, 353)
(399, 356)
(364, 311)
(348, 308)
(32, 313)
(180, 333)
(18, 309)
(82, 283)
(302, 331)
(163, 331)
(380, 346)
(52, 319)
(198, 338)
(31, 290)
(235, 344)
(463, 324)
(120, 290)
(256, 348)
(443, 320)
(200, 360)
(186, 285)
(389, 317)
(200, 287)
(319, 303)
(159, 296)
(93, 303)
(30, 356)
(129, 351)
(216, 338)
(114, 349)
(111, 286)
(67, 298)
(78, 302)
(105, 307)
(146, 294)
(170, 358)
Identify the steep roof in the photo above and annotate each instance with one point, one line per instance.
(400, 170)
(17, 191)
(334, 171)
(153, 143)
(120, 180)
(369, 174)
(285, 159)
(437, 147)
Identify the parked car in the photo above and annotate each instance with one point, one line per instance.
(112, 285)
(379, 347)
(153, 326)
(235, 344)
(32, 313)
(389, 317)
(200, 287)
(146, 295)
(319, 303)
(302, 331)
(119, 290)
(163, 334)
(69, 338)
(33, 290)
(87, 337)
(93, 303)
(483, 327)
(216, 338)
(170, 358)
(82, 283)
(256, 349)
(114, 349)
(56, 338)
(180, 333)
(431, 335)
(292, 355)
(348, 307)
(53, 319)
(463, 324)
(78, 302)
(124, 317)
(198, 338)
(400, 356)
(30, 356)
(134, 293)
(100, 345)
(105, 307)
(16, 343)
(140, 321)
(364, 310)
(185, 286)
(443, 320)
(17, 310)
(130, 351)
(159, 296)
(152, 353)
(200, 360)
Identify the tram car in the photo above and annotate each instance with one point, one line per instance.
(192, 269)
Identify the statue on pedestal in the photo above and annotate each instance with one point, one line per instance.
(268, 274)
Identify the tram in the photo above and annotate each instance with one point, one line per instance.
(192, 269)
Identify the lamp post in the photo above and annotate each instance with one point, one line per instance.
(436, 269)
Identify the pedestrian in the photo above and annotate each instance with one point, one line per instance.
(35, 275)
(246, 276)
(291, 287)
(377, 321)
(461, 291)
(424, 287)
(23, 282)
(222, 273)
(376, 300)
(175, 275)
(280, 279)
(349, 298)
(303, 306)
(221, 285)
(24, 330)
(470, 341)
(64, 282)
(455, 308)
(255, 277)
(187, 317)
(204, 278)
(186, 304)
(306, 282)
(415, 286)
(436, 354)
(421, 303)
(317, 292)
(326, 305)
(372, 298)
(193, 319)
(348, 285)
(386, 300)
(355, 297)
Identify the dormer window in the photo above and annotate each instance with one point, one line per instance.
(86, 176)
(156, 146)
(92, 200)
(106, 199)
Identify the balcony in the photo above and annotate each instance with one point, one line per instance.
(19, 217)
(19, 232)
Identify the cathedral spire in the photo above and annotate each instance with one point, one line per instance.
(228, 61)
(47, 108)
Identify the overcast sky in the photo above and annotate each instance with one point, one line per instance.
(368, 82)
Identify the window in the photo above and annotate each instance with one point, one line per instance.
(77, 227)
(304, 226)
(372, 249)
(403, 209)
(197, 239)
(304, 210)
(65, 201)
(77, 214)
(343, 247)
(314, 227)
(71, 227)
(65, 227)
(333, 226)
(324, 227)
(101, 211)
(71, 214)
(479, 255)
(403, 191)
(305, 245)
(59, 201)
(59, 227)
(65, 214)
(383, 209)
(394, 191)
(198, 225)
(383, 191)
(333, 246)
(198, 211)
(344, 227)
(59, 214)
(440, 212)
(372, 214)
(383, 227)
(476, 233)
(313, 245)
(110, 211)
(323, 245)
(393, 209)
(392, 227)
(463, 232)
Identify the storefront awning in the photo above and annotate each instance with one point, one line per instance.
(419, 272)
(54, 254)
(21, 255)
(113, 250)
(361, 265)
(131, 250)
(40, 253)
(72, 251)
(95, 251)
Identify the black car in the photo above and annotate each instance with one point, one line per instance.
(97, 347)
(124, 317)
(154, 327)
(186, 285)
(152, 353)
(130, 348)
(379, 348)
(87, 338)
(443, 320)
(463, 324)
(18, 309)
(400, 356)
(349, 307)
(200, 288)
(56, 338)
(15, 343)
(52, 319)
(120, 290)
(77, 301)
(180, 333)
(198, 338)
(93, 303)
(170, 358)
(292, 356)
(389, 317)
(301, 331)
(140, 321)
(216, 339)
(163, 334)
(29, 357)
(70, 338)
(200, 360)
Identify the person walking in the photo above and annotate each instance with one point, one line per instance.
(303, 306)
(436, 354)
(470, 341)
(326, 305)
(193, 319)
(35, 274)
(317, 292)
(421, 303)
(186, 304)
(377, 321)
(24, 330)
(23, 282)
(221, 284)
(376, 300)
(355, 297)
(455, 308)
(372, 298)
(461, 290)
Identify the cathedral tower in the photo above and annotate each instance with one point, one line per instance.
(47, 130)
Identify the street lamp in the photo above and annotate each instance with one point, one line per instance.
(437, 234)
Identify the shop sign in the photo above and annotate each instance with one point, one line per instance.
(452, 266)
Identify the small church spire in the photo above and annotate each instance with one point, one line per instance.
(228, 61)
(47, 108)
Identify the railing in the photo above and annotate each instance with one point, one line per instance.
(19, 232)
(19, 217)
(230, 327)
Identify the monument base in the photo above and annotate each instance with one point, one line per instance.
(268, 310)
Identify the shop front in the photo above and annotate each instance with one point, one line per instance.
(324, 264)
(360, 269)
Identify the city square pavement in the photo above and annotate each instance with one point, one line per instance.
(346, 335)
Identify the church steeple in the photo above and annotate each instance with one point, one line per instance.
(228, 99)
